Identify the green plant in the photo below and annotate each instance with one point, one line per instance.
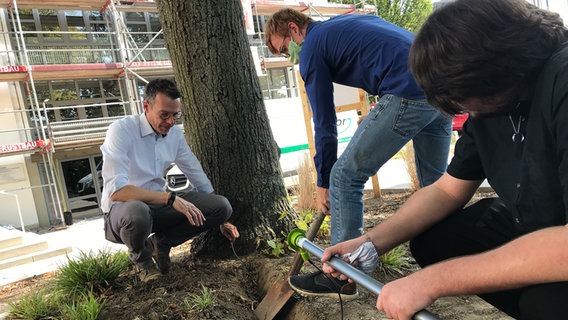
(307, 216)
(54, 303)
(91, 272)
(395, 262)
(275, 248)
(40, 304)
(88, 307)
(325, 228)
(202, 301)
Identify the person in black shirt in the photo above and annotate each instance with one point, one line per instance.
(505, 63)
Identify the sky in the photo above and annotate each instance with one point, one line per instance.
(560, 6)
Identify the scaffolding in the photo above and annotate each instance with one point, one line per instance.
(121, 55)
(124, 59)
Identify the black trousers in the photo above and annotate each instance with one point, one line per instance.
(483, 226)
(132, 222)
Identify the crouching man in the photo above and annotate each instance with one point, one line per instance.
(138, 212)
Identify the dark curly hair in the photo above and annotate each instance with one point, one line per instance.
(484, 49)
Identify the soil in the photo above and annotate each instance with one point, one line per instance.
(239, 284)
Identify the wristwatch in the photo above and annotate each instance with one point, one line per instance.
(171, 199)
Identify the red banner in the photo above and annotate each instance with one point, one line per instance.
(28, 145)
(10, 69)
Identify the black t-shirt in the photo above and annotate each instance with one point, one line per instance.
(531, 177)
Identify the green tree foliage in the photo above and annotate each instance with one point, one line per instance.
(408, 14)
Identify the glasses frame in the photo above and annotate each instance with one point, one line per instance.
(164, 115)
(283, 51)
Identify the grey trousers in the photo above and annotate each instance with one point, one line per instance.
(132, 222)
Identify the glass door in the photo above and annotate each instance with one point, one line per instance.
(83, 183)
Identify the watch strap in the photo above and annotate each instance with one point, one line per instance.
(172, 198)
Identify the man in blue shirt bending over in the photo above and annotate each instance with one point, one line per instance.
(370, 53)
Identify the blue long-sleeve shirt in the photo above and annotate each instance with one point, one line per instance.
(362, 51)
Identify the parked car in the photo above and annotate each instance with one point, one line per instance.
(85, 185)
(458, 121)
(176, 180)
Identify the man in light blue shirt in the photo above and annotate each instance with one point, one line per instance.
(137, 151)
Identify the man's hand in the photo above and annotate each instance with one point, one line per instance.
(323, 201)
(340, 249)
(193, 214)
(229, 231)
(402, 298)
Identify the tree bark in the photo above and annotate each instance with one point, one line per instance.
(224, 117)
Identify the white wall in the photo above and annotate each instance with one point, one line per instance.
(14, 179)
(560, 6)
(286, 118)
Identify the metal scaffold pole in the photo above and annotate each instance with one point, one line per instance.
(32, 95)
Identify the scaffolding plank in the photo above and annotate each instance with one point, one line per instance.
(55, 4)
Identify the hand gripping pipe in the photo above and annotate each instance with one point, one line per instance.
(298, 241)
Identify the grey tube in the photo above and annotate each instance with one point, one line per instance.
(356, 275)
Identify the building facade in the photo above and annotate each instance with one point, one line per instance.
(69, 69)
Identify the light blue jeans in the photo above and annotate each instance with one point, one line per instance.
(385, 130)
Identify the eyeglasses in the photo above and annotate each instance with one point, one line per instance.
(166, 115)
(284, 49)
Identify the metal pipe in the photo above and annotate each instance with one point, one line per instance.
(355, 274)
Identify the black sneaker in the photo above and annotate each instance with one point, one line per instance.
(322, 285)
(160, 256)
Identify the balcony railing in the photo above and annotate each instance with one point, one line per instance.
(79, 133)
(95, 47)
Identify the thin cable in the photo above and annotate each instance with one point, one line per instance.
(234, 252)
(330, 279)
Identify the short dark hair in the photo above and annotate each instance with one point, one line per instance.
(164, 86)
(486, 49)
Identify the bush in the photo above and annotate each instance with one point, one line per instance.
(73, 297)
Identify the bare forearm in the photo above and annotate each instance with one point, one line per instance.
(129, 193)
(424, 208)
(538, 257)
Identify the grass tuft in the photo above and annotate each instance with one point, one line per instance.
(42, 304)
(306, 188)
(91, 272)
(88, 307)
(202, 301)
(396, 261)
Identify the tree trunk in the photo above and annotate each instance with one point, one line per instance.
(224, 117)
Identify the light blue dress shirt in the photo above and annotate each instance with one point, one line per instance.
(133, 154)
